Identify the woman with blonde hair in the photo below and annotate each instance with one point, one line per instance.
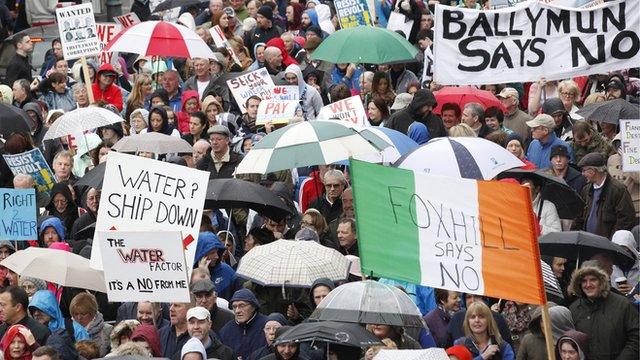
(142, 89)
(482, 336)
(570, 95)
(462, 130)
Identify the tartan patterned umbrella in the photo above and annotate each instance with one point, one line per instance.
(292, 263)
(305, 144)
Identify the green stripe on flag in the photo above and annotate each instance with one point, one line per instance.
(388, 240)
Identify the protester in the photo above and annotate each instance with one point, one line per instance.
(437, 320)
(544, 139)
(244, 335)
(14, 304)
(482, 336)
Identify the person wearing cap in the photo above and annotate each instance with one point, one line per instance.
(199, 327)
(221, 162)
(265, 30)
(560, 167)
(105, 89)
(205, 294)
(586, 140)
(401, 102)
(608, 206)
(420, 109)
(543, 140)
(514, 118)
(275, 321)
(310, 98)
(245, 334)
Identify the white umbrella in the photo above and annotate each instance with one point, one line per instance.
(293, 263)
(56, 266)
(426, 354)
(466, 157)
(79, 120)
(153, 142)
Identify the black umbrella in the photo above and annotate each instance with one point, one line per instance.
(331, 332)
(581, 245)
(170, 4)
(234, 193)
(610, 111)
(12, 120)
(567, 201)
(94, 177)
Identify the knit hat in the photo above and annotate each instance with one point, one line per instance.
(459, 351)
(244, 295)
(266, 11)
(39, 284)
(559, 150)
(307, 234)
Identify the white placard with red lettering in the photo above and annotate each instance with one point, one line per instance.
(127, 20)
(106, 32)
(258, 83)
(276, 111)
(77, 28)
(349, 109)
(286, 92)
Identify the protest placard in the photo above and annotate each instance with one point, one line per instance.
(147, 194)
(106, 32)
(450, 233)
(276, 111)
(534, 40)
(258, 83)
(286, 92)
(427, 70)
(352, 13)
(349, 109)
(398, 21)
(18, 214)
(77, 28)
(221, 41)
(127, 20)
(630, 145)
(32, 163)
(144, 266)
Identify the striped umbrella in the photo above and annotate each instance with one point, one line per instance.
(466, 157)
(551, 285)
(305, 144)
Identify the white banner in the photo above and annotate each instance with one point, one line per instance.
(77, 28)
(630, 134)
(286, 92)
(257, 83)
(349, 109)
(534, 40)
(144, 266)
(276, 111)
(147, 194)
(127, 20)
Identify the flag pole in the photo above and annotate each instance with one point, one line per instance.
(87, 79)
(548, 338)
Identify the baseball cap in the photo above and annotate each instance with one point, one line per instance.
(199, 313)
(508, 92)
(542, 120)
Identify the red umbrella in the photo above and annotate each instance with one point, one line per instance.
(463, 95)
(160, 38)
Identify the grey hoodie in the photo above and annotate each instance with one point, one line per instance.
(309, 96)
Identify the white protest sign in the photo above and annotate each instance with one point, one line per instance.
(630, 134)
(144, 266)
(147, 194)
(349, 109)
(286, 92)
(258, 83)
(106, 32)
(221, 41)
(534, 40)
(398, 21)
(276, 111)
(77, 28)
(127, 20)
(427, 70)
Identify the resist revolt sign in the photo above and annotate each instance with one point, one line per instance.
(528, 41)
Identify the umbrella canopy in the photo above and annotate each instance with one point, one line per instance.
(170, 4)
(463, 95)
(79, 120)
(399, 144)
(610, 111)
(369, 302)
(305, 144)
(425, 354)
(56, 266)
(567, 201)
(292, 263)
(153, 142)
(365, 44)
(235, 193)
(331, 332)
(466, 157)
(160, 38)
(551, 284)
(581, 245)
(94, 177)
(12, 120)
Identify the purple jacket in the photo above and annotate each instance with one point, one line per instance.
(437, 321)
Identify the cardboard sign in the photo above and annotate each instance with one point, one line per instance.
(18, 214)
(630, 134)
(144, 266)
(257, 83)
(32, 163)
(286, 92)
(147, 194)
(276, 111)
(106, 32)
(77, 28)
(398, 21)
(221, 41)
(490, 47)
(349, 109)
(353, 13)
(127, 20)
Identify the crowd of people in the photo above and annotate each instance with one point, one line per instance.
(234, 318)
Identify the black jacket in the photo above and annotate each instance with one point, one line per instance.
(19, 68)
(40, 332)
(329, 211)
(401, 120)
(227, 169)
(215, 350)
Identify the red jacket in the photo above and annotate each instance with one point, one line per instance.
(112, 94)
(183, 116)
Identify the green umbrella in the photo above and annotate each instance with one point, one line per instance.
(365, 45)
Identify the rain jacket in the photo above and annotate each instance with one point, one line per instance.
(310, 97)
(49, 148)
(245, 338)
(226, 170)
(70, 214)
(322, 281)
(55, 223)
(402, 119)
(8, 338)
(64, 101)
(112, 94)
(610, 320)
(45, 301)
(533, 346)
(286, 58)
(193, 345)
(223, 276)
(183, 116)
(419, 133)
(149, 334)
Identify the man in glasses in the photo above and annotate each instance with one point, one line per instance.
(330, 205)
(104, 87)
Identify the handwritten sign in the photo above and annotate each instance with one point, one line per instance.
(127, 20)
(221, 41)
(77, 28)
(400, 22)
(349, 109)
(258, 83)
(18, 214)
(630, 133)
(286, 92)
(106, 32)
(144, 266)
(32, 163)
(276, 111)
(353, 13)
(147, 194)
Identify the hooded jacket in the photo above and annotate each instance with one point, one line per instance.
(322, 281)
(149, 334)
(286, 58)
(45, 301)
(183, 116)
(49, 148)
(401, 120)
(112, 94)
(222, 275)
(193, 345)
(56, 224)
(7, 339)
(580, 340)
(121, 328)
(70, 214)
(610, 320)
(245, 338)
(309, 96)
(553, 105)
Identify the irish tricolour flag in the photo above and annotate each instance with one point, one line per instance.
(466, 235)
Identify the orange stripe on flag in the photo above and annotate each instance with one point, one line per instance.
(510, 254)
